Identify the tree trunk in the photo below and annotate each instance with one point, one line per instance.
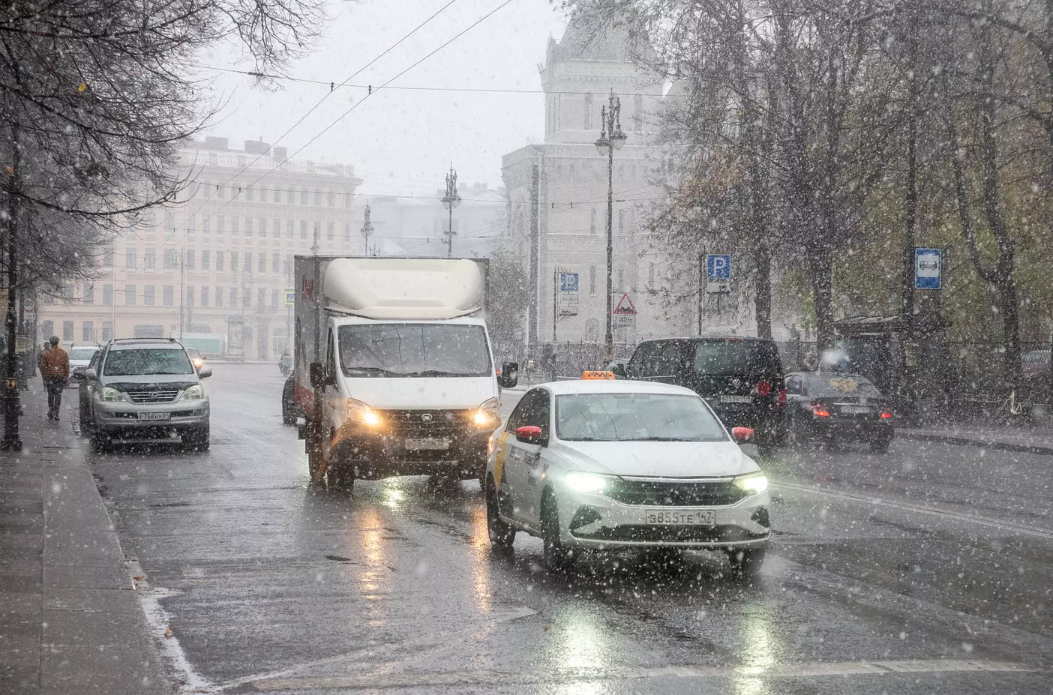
(762, 262)
(823, 296)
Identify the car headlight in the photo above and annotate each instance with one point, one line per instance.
(753, 484)
(361, 413)
(585, 482)
(487, 416)
(110, 394)
(194, 393)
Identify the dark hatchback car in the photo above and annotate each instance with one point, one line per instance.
(833, 407)
(740, 378)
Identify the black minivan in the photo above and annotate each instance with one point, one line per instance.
(740, 378)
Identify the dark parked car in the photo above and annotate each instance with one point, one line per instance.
(740, 378)
(833, 407)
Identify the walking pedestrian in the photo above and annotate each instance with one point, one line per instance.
(55, 366)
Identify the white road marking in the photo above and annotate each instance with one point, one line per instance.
(159, 621)
(492, 678)
(878, 502)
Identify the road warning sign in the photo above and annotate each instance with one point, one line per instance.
(625, 307)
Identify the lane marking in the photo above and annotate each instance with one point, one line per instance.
(957, 516)
(371, 652)
(564, 677)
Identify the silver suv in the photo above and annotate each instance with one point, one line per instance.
(147, 390)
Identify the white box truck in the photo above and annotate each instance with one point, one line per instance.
(394, 370)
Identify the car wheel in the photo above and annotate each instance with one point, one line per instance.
(746, 562)
(879, 444)
(556, 556)
(288, 408)
(341, 476)
(502, 534)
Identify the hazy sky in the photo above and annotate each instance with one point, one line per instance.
(403, 141)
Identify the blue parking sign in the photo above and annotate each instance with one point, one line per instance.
(718, 266)
(568, 282)
(928, 269)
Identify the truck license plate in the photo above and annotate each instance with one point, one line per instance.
(155, 416)
(665, 517)
(431, 444)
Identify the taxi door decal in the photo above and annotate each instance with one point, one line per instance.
(499, 459)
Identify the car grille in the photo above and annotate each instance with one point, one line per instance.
(425, 423)
(151, 396)
(670, 494)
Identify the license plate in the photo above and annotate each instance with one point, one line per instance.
(155, 416)
(736, 399)
(426, 444)
(855, 409)
(664, 517)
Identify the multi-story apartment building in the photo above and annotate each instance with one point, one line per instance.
(222, 254)
(570, 200)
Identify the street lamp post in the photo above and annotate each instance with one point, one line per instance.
(611, 138)
(450, 201)
(367, 230)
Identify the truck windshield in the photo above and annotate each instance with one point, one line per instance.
(414, 350)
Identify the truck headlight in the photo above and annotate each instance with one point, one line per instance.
(193, 393)
(110, 394)
(753, 484)
(361, 413)
(487, 415)
(585, 482)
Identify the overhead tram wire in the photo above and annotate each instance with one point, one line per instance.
(333, 88)
(362, 101)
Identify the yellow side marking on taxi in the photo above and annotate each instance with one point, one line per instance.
(499, 459)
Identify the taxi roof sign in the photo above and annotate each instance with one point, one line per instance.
(597, 376)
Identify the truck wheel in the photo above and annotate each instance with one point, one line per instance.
(314, 454)
(341, 477)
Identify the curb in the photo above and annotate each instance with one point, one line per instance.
(982, 443)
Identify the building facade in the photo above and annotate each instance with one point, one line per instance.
(221, 254)
(561, 186)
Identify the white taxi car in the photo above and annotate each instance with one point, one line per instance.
(624, 464)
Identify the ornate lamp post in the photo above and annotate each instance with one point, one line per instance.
(450, 201)
(611, 138)
(367, 230)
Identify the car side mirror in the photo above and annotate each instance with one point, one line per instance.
(90, 374)
(318, 376)
(205, 371)
(742, 434)
(529, 434)
(509, 375)
(618, 370)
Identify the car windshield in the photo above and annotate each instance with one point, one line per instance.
(621, 417)
(147, 362)
(835, 385)
(747, 357)
(82, 354)
(414, 350)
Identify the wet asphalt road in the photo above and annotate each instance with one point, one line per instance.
(926, 570)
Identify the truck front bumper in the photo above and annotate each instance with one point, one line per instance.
(458, 452)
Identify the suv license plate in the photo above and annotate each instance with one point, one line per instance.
(736, 399)
(664, 517)
(155, 416)
(432, 444)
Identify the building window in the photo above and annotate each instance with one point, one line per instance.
(246, 299)
(592, 331)
(318, 199)
(171, 262)
(290, 196)
(289, 229)
(204, 296)
(262, 263)
(330, 232)
(592, 221)
(150, 259)
(347, 199)
(129, 295)
(263, 194)
(248, 227)
(219, 296)
(148, 295)
(107, 295)
(248, 193)
(89, 295)
(129, 259)
(107, 257)
(233, 226)
(204, 260)
(274, 298)
(233, 262)
(167, 296)
(234, 297)
(169, 224)
(190, 296)
(286, 265)
(189, 260)
(347, 232)
(47, 329)
(588, 112)
(276, 230)
(190, 231)
(275, 262)
(650, 275)
(331, 198)
(303, 229)
(219, 225)
(107, 331)
(67, 331)
(638, 113)
(248, 262)
(221, 191)
(206, 226)
(592, 279)
(261, 298)
(621, 279)
(87, 332)
(303, 197)
(219, 261)
(317, 231)
(261, 228)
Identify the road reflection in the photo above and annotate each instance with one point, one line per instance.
(758, 651)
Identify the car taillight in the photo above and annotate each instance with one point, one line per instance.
(782, 396)
(819, 410)
(886, 415)
(763, 388)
